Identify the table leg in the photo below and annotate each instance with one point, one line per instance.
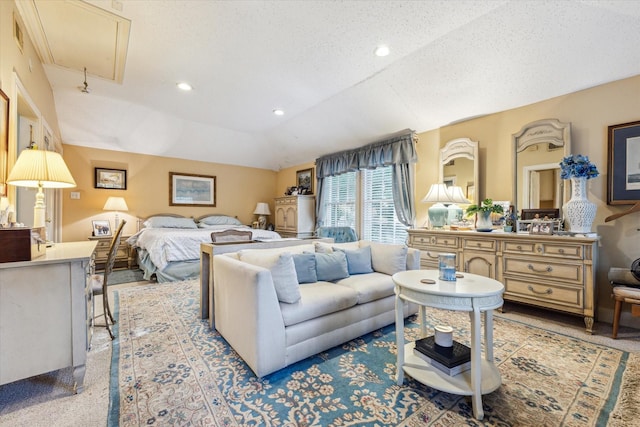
(204, 285)
(488, 335)
(422, 318)
(399, 340)
(476, 367)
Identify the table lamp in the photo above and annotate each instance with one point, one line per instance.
(455, 212)
(116, 204)
(40, 169)
(262, 209)
(438, 194)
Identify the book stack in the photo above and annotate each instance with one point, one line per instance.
(450, 360)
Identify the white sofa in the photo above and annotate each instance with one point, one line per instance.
(251, 287)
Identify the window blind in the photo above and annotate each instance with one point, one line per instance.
(340, 200)
(379, 222)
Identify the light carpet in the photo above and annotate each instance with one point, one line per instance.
(168, 368)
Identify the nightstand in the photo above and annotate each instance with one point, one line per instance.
(125, 256)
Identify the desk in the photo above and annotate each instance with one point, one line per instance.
(473, 293)
(208, 250)
(46, 313)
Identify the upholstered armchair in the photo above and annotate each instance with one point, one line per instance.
(338, 234)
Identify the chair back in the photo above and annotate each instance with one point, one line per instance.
(339, 234)
(113, 250)
(231, 236)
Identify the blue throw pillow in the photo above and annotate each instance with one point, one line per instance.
(305, 267)
(332, 266)
(358, 260)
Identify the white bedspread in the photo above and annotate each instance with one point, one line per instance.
(179, 244)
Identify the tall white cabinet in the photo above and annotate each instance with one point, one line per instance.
(295, 216)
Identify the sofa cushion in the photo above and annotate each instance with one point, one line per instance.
(305, 267)
(322, 247)
(318, 299)
(358, 260)
(369, 287)
(331, 266)
(283, 272)
(387, 258)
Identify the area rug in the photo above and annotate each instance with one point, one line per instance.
(168, 368)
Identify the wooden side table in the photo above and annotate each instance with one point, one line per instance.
(125, 256)
(473, 293)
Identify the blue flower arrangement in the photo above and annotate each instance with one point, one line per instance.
(577, 166)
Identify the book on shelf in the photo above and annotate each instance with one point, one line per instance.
(449, 371)
(449, 357)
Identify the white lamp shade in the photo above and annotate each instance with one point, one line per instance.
(35, 168)
(116, 204)
(438, 193)
(457, 196)
(262, 209)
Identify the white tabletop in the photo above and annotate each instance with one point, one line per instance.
(470, 285)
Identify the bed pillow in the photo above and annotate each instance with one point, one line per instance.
(219, 220)
(305, 268)
(170, 222)
(332, 266)
(387, 258)
(358, 260)
(283, 272)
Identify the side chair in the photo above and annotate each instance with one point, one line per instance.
(99, 282)
(228, 236)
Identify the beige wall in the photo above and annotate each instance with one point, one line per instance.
(238, 189)
(590, 112)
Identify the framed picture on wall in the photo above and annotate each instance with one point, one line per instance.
(191, 190)
(304, 179)
(623, 171)
(112, 179)
(4, 141)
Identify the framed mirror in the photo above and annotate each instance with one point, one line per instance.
(459, 166)
(538, 149)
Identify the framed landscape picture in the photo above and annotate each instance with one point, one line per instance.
(191, 190)
(112, 179)
(304, 179)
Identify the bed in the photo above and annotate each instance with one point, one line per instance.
(168, 245)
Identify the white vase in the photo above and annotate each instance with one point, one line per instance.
(579, 212)
(483, 221)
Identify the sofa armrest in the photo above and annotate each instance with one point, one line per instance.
(247, 313)
(413, 259)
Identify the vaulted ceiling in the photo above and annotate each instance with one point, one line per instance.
(449, 60)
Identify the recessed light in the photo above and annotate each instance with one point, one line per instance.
(278, 112)
(382, 50)
(184, 86)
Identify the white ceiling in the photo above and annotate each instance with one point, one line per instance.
(449, 60)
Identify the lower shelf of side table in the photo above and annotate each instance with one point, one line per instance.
(459, 384)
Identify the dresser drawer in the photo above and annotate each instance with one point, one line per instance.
(280, 201)
(426, 242)
(429, 258)
(480, 244)
(544, 293)
(544, 268)
(561, 250)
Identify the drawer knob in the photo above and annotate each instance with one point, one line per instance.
(547, 292)
(478, 244)
(549, 269)
(561, 250)
(446, 242)
(432, 256)
(519, 247)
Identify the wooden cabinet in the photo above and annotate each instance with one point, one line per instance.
(295, 216)
(125, 256)
(46, 313)
(553, 272)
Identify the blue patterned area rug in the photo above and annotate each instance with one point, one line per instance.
(168, 368)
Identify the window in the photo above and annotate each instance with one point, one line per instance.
(372, 188)
(379, 222)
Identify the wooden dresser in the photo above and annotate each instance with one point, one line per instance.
(295, 216)
(554, 272)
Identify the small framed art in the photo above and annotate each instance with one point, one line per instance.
(541, 227)
(101, 228)
(191, 190)
(112, 179)
(304, 181)
(623, 171)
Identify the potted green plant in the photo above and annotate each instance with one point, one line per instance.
(484, 211)
(510, 219)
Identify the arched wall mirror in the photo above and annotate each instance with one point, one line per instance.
(459, 166)
(538, 149)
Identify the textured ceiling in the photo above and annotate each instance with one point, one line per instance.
(449, 60)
